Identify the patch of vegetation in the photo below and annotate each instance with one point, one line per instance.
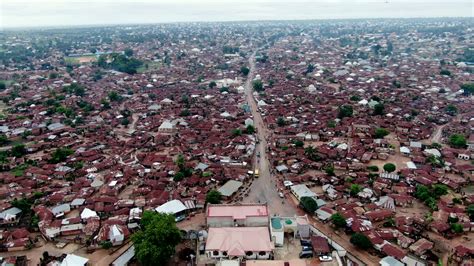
(361, 241)
(156, 241)
(345, 111)
(213, 197)
(60, 155)
(257, 85)
(120, 62)
(389, 167)
(457, 141)
(338, 220)
(380, 133)
(308, 204)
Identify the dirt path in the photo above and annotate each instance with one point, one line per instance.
(263, 189)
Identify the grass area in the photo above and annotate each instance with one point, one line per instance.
(19, 170)
(79, 59)
(152, 65)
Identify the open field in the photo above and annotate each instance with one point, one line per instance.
(80, 59)
(149, 66)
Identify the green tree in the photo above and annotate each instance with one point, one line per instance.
(18, 150)
(4, 140)
(422, 192)
(128, 52)
(212, 84)
(3, 85)
(329, 169)
(312, 153)
(457, 228)
(250, 129)
(23, 204)
(373, 168)
(114, 96)
(236, 132)
(180, 162)
(60, 155)
(281, 121)
(355, 98)
(361, 241)
(106, 244)
(156, 241)
(308, 204)
(125, 122)
(53, 75)
(298, 143)
(214, 197)
(440, 190)
(331, 124)
(178, 176)
(345, 111)
(257, 85)
(105, 104)
(338, 220)
(380, 133)
(309, 68)
(379, 109)
(244, 70)
(445, 72)
(470, 211)
(457, 141)
(451, 109)
(389, 167)
(355, 189)
(468, 88)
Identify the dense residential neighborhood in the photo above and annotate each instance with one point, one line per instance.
(345, 142)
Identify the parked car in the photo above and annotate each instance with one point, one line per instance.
(325, 258)
(306, 254)
(180, 218)
(306, 242)
(281, 194)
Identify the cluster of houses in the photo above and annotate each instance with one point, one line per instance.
(90, 148)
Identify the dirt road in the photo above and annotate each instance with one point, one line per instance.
(264, 188)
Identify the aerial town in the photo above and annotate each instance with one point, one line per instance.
(292, 143)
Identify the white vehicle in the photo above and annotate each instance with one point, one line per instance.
(287, 183)
(281, 194)
(325, 258)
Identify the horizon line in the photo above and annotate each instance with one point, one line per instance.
(47, 27)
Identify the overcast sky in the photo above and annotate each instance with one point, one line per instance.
(26, 13)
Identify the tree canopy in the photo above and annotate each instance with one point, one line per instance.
(457, 141)
(156, 241)
(60, 155)
(361, 241)
(257, 85)
(308, 204)
(380, 133)
(379, 109)
(355, 189)
(345, 111)
(244, 70)
(389, 167)
(338, 220)
(120, 62)
(468, 88)
(214, 197)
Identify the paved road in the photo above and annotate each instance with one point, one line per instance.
(263, 189)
